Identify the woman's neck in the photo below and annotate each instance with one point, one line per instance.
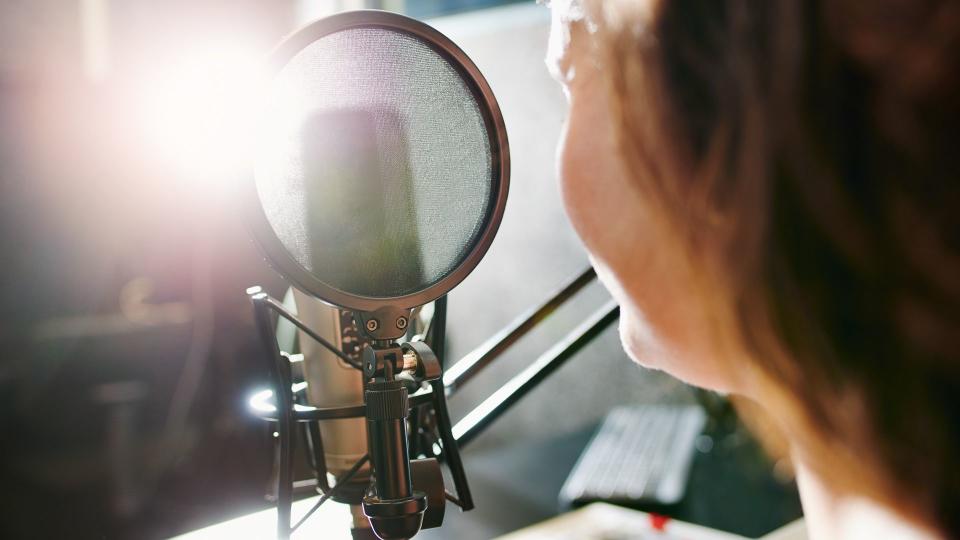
(833, 517)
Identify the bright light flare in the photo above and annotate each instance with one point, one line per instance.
(195, 112)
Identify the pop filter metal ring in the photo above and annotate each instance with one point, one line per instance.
(262, 231)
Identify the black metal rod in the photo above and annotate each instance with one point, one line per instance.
(436, 337)
(451, 449)
(471, 364)
(388, 407)
(282, 311)
(452, 498)
(326, 496)
(391, 460)
(313, 414)
(317, 455)
(280, 369)
(413, 433)
(501, 400)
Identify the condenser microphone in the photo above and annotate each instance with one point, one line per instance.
(331, 382)
(380, 179)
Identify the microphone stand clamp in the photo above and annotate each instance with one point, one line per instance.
(395, 510)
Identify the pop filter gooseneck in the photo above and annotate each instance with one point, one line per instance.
(380, 178)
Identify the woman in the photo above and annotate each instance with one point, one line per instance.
(769, 188)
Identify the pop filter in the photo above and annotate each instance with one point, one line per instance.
(381, 170)
(380, 175)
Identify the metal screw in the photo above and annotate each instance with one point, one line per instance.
(372, 325)
(402, 323)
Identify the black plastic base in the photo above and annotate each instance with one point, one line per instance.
(396, 519)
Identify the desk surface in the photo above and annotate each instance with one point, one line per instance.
(330, 522)
(731, 488)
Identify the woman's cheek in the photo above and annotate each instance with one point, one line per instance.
(586, 183)
(584, 164)
(571, 176)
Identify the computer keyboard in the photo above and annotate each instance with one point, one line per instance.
(640, 455)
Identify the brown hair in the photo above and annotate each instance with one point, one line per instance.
(815, 142)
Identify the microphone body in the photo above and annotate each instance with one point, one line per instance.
(332, 383)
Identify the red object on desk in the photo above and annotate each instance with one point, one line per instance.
(658, 522)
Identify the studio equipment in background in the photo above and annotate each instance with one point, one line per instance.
(379, 180)
(640, 456)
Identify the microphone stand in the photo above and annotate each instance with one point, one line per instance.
(403, 492)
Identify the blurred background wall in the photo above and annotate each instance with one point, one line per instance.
(124, 334)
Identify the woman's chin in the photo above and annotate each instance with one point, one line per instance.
(638, 340)
(642, 346)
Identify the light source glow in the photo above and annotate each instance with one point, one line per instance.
(194, 110)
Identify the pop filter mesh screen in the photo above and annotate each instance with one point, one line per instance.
(375, 169)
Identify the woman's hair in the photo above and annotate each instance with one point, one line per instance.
(815, 147)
